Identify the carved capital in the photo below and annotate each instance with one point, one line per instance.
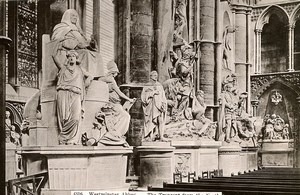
(254, 103)
(258, 31)
(5, 41)
(291, 26)
(298, 100)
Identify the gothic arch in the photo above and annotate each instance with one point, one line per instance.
(270, 83)
(226, 19)
(295, 15)
(265, 16)
(16, 116)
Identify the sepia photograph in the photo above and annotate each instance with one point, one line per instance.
(150, 97)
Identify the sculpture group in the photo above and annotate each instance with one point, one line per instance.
(275, 128)
(173, 110)
(79, 63)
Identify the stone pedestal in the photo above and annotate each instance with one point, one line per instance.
(73, 168)
(276, 153)
(10, 161)
(96, 97)
(229, 159)
(156, 164)
(37, 135)
(195, 156)
(249, 158)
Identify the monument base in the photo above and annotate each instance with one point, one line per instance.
(249, 158)
(195, 156)
(229, 159)
(10, 161)
(156, 164)
(277, 153)
(78, 167)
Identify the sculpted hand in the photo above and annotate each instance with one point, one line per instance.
(131, 100)
(82, 45)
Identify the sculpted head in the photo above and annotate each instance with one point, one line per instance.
(228, 87)
(7, 114)
(154, 76)
(71, 17)
(72, 56)
(112, 68)
(269, 128)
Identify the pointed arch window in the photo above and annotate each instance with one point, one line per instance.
(22, 28)
(296, 51)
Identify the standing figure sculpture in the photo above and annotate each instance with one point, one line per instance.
(226, 46)
(69, 36)
(154, 104)
(8, 126)
(180, 22)
(226, 117)
(235, 124)
(72, 80)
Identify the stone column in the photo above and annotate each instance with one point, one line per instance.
(291, 48)
(207, 60)
(158, 53)
(248, 58)
(241, 47)
(96, 21)
(218, 52)
(297, 138)
(157, 165)
(141, 36)
(258, 51)
(254, 104)
(136, 56)
(4, 43)
(229, 159)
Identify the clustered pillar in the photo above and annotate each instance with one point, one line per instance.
(141, 36)
(207, 60)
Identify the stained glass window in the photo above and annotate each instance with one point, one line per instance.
(27, 72)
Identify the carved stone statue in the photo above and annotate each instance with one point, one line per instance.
(11, 136)
(122, 118)
(202, 122)
(185, 116)
(180, 22)
(226, 113)
(72, 80)
(154, 104)
(112, 119)
(105, 131)
(226, 46)
(69, 36)
(7, 126)
(182, 66)
(235, 125)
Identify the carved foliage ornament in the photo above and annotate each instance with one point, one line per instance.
(183, 164)
(260, 83)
